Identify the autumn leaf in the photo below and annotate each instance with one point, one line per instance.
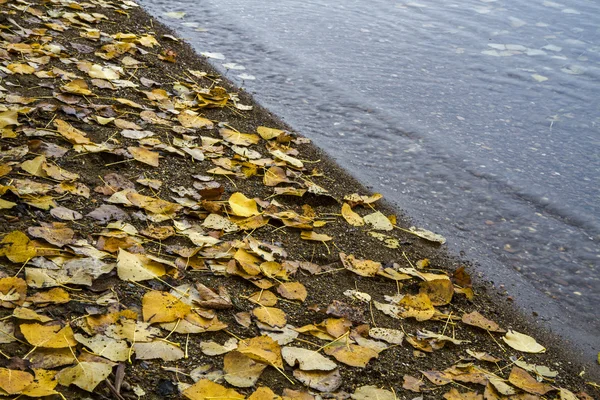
(522, 342)
(85, 375)
(163, 307)
(242, 206)
(207, 390)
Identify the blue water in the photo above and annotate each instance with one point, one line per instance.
(479, 118)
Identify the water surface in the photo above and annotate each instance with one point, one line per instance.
(480, 118)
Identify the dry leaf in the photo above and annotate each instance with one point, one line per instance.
(207, 390)
(162, 349)
(85, 375)
(522, 342)
(323, 381)
(242, 206)
(360, 267)
(292, 291)
(137, 267)
(351, 354)
(372, 393)
(308, 360)
(263, 349)
(378, 221)
(241, 370)
(49, 336)
(163, 307)
(418, 307)
(521, 379)
(392, 336)
(14, 381)
(478, 320)
(270, 315)
(351, 217)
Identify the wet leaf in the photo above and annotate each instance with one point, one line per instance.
(292, 291)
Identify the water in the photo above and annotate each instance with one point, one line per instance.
(480, 118)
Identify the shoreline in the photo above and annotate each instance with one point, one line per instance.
(173, 169)
(515, 292)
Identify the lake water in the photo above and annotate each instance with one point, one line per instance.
(481, 119)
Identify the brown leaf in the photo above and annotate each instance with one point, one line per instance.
(521, 379)
(440, 291)
(240, 370)
(263, 349)
(292, 291)
(478, 320)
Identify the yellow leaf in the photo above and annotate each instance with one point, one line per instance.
(351, 217)
(238, 138)
(97, 71)
(77, 86)
(522, 342)
(85, 375)
(241, 370)
(263, 349)
(294, 162)
(144, 155)
(268, 133)
(13, 381)
(8, 118)
(17, 247)
(378, 221)
(43, 385)
(264, 393)
(242, 206)
(72, 134)
(190, 119)
(521, 379)
(292, 291)
(317, 237)
(49, 336)
(13, 292)
(208, 390)
(152, 204)
(21, 69)
(271, 316)
(418, 307)
(351, 354)
(137, 267)
(6, 205)
(360, 267)
(440, 291)
(163, 307)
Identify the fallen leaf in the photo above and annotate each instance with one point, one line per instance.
(323, 381)
(263, 349)
(476, 319)
(163, 307)
(137, 267)
(522, 342)
(351, 354)
(372, 393)
(308, 360)
(104, 346)
(207, 390)
(270, 315)
(240, 370)
(521, 379)
(378, 221)
(162, 349)
(292, 291)
(317, 237)
(360, 267)
(242, 206)
(418, 307)
(392, 336)
(85, 375)
(48, 336)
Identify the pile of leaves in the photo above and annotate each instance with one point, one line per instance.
(156, 241)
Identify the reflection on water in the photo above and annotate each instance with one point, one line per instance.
(480, 118)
